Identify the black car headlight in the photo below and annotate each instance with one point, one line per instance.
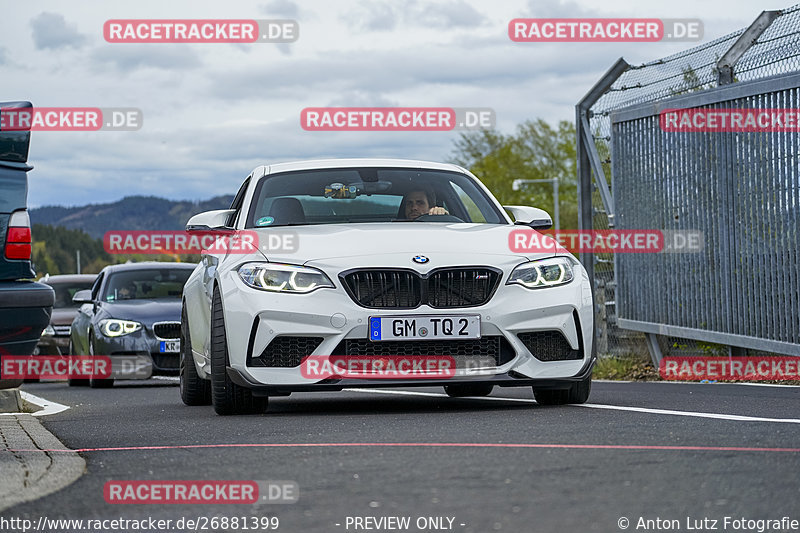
(549, 272)
(278, 277)
(114, 327)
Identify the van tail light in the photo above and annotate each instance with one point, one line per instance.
(18, 239)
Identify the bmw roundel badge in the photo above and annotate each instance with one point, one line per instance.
(421, 259)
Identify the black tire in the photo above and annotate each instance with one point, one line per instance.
(577, 393)
(468, 389)
(227, 397)
(194, 389)
(551, 397)
(98, 383)
(75, 382)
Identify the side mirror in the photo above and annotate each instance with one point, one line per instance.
(82, 297)
(533, 217)
(210, 220)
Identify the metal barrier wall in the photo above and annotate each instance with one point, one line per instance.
(741, 190)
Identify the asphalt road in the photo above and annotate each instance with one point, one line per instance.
(595, 463)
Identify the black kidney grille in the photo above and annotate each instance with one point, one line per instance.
(286, 351)
(168, 330)
(395, 289)
(461, 288)
(402, 289)
(549, 346)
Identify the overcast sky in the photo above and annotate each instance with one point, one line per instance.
(213, 112)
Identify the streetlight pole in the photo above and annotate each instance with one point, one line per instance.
(517, 185)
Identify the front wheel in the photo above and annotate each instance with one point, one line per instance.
(75, 382)
(194, 389)
(98, 383)
(227, 397)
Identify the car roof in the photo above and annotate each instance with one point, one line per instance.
(359, 162)
(146, 265)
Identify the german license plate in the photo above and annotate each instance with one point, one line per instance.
(418, 327)
(170, 347)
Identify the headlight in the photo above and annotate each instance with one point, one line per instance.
(48, 331)
(283, 278)
(543, 273)
(113, 327)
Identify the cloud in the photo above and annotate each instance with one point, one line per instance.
(372, 16)
(361, 99)
(127, 58)
(3, 56)
(281, 8)
(456, 13)
(418, 70)
(384, 16)
(50, 30)
(558, 9)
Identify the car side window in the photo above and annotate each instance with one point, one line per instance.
(96, 286)
(237, 201)
(473, 210)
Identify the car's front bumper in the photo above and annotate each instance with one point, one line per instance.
(253, 318)
(507, 379)
(142, 346)
(53, 345)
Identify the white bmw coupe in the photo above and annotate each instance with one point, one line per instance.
(379, 273)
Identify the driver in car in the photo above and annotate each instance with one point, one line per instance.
(420, 202)
(127, 292)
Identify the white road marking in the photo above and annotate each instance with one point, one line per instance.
(48, 407)
(718, 416)
(167, 378)
(758, 384)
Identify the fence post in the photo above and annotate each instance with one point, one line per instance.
(585, 148)
(743, 43)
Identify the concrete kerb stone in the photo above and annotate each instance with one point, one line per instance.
(33, 473)
(10, 401)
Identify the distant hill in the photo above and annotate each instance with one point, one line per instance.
(130, 213)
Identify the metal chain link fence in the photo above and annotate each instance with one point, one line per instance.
(776, 51)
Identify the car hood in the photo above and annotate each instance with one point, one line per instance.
(145, 311)
(475, 243)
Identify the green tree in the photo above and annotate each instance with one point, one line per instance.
(54, 247)
(536, 150)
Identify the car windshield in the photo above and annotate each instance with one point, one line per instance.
(146, 284)
(350, 195)
(65, 290)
